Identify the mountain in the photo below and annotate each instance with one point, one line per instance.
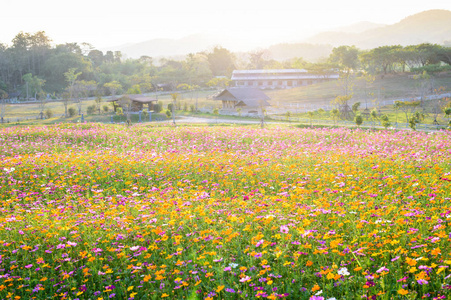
(169, 47)
(309, 52)
(432, 26)
(358, 27)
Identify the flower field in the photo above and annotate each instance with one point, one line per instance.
(109, 212)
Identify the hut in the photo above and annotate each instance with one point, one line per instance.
(250, 100)
(133, 102)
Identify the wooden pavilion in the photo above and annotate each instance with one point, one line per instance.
(250, 100)
(133, 102)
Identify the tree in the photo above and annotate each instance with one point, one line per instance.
(373, 115)
(407, 107)
(85, 89)
(98, 100)
(3, 96)
(385, 121)
(216, 113)
(119, 112)
(239, 110)
(221, 61)
(219, 82)
(65, 97)
(287, 116)
(355, 107)
(174, 97)
(71, 77)
(34, 84)
(113, 87)
(335, 113)
(346, 58)
(343, 106)
(447, 112)
(358, 119)
(310, 115)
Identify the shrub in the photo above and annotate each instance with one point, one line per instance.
(157, 107)
(71, 111)
(48, 113)
(106, 108)
(358, 119)
(91, 109)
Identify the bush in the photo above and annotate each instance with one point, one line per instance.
(170, 107)
(358, 120)
(91, 109)
(106, 108)
(385, 121)
(71, 111)
(157, 107)
(48, 113)
(168, 113)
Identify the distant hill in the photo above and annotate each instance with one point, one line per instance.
(432, 26)
(169, 47)
(309, 52)
(359, 27)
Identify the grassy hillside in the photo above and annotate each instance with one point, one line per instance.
(388, 87)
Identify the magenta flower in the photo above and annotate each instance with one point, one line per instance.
(284, 229)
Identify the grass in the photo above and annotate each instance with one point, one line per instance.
(389, 87)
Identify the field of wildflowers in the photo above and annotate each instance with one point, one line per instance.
(109, 212)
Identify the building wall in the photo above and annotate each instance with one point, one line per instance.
(284, 84)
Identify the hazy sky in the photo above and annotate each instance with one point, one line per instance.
(111, 23)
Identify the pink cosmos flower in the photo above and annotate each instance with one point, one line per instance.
(245, 279)
(284, 229)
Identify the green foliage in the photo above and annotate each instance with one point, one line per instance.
(71, 111)
(288, 115)
(358, 119)
(134, 90)
(48, 113)
(385, 121)
(119, 111)
(168, 113)
(431, 69)
(345, 57)
(158, 107)
(355, 107)
(105, 108)
(373, 113)
(91, 109)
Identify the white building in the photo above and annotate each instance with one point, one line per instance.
(277, 79)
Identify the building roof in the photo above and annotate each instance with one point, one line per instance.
(278, 74)
(244, 96)
(269, 71)
(135, 98)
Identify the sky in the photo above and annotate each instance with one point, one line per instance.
(111, 23)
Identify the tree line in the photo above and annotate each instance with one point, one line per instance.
(33, 68)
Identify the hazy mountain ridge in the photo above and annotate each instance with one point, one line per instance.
(432, 26)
